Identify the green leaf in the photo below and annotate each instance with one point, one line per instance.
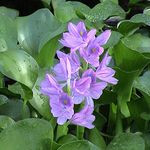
(28, 134)
(12, 13)
(56, 3)
(146, 11)
(8, 34)
(19, 66)
(124, 88)
(5, 122)
(128, 59)
(105, 10)
(80, 8)
(65, 12)
(15, 109)
(137, 111)
(146, 137)
(62, 130)
(97, 139)
(39, 101)
(33, 28)
(142, 83)
(48, 51)
(22, 90)
(79, 145)
(127, 141)
(46, 3)
(100, 120)
(141, 18)
(3, 99)
(67, 139)
(127, 27)
(141, 43)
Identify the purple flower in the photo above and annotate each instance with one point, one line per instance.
(104, 72)
(96, 88)
(73, 58)
(50, 87)
(77, 37)
(63, 69)
(62, 107)
(103, 37)
(80, 89)
(84, 117)
(91, 53)
(87, 88)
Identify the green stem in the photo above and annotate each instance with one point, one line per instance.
(24, 109)
(1, 80)
(146, 125)
(119, 128)
(80, 132)
(68, 87)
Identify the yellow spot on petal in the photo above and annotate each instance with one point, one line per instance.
(65, 102)
(81, 33)
(93, 49)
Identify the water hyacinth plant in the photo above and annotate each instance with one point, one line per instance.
(80, 76)
(74, 75)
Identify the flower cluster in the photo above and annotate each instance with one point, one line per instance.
(79, 77)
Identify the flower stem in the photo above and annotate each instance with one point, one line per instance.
(1, 80)
(80, 132)
(119, 128)
(68, 87)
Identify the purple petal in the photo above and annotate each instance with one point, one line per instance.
(61, 120)
(73, 30)
(103, 37)
(91, 34)
(96, 89)
(82, 84)
(81, 27)
(77, 98)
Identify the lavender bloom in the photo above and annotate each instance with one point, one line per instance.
(50, 87)
(63, 70)
(80, 89)
(103, 37)
(84, 117)
(105, 73)
(91, 53)
(62, 107)
(73, 58)
(77, 37)
(96, 88)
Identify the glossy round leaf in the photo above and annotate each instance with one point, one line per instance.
(104, 10)
(79, 145)
(28, 134)
(12, 13)
(15, 109)
(5, 122)
(127, 141)
(19, 66)
(32, 28)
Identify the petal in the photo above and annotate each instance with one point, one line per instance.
(89, 101)
(82, 84)
(77, 98)
(73, 29)
(103, 37)
(91, 34)
(81, 27)
(61, 120)
(96, 89)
